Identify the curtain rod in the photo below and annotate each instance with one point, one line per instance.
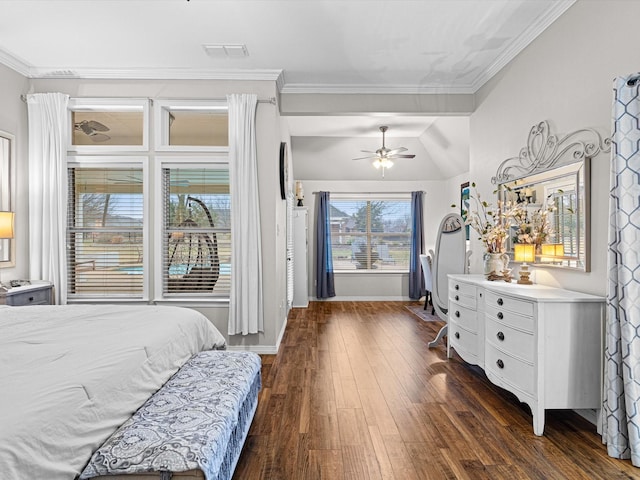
(367, 193)
(271, 100)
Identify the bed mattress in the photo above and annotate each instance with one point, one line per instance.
(71, 375)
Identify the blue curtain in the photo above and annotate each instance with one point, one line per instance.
(416, 279)
(324, 260)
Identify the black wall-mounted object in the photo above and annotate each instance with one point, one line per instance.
(284, 173)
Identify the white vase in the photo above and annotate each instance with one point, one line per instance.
(495, 263)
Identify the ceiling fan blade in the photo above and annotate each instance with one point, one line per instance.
(402, 156)
(99, 137)
(396, 150)
(97, 126)
(368, 151)
(365, 158)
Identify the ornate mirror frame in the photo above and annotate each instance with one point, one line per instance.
(553, 171)
(7, 176)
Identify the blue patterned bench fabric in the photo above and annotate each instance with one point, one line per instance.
(198, 420)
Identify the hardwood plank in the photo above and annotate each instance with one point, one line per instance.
(354, 392)
(382, 457)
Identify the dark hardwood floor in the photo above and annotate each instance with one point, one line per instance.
(354, 393)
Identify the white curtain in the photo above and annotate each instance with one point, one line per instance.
(48, 133)
(246, 314)
(621, 406)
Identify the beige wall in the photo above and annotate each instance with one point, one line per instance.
(565, 77)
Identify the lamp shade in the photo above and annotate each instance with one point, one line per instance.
(6, 224)
(553, 249)
(524, 252)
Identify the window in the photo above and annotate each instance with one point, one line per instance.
(564, 223)
(189, 125)
(370, 233)
(197, 230)
(99, 125)
(116, 198)
(105, 231)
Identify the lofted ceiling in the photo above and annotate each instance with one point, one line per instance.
(306, 46)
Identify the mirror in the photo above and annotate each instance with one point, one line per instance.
(548, 184)
(450, 257)
(559, 197)
(7, 165)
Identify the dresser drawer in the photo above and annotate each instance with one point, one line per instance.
(463, 316)
(40, 296)
(463, 293)
(509, 318)
(466, 341)
(508, 303)
(514, 372)
(515, 342)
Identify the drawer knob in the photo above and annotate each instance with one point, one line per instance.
(457, 298)
(500, 315)
(457, 314)
(31, 299)
(457, 287)
(500, 301)
(500, 336)
(457, 334)
(500, 363)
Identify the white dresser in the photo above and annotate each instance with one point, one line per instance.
(541, 343)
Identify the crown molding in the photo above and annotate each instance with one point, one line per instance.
(155, 74)
(525, 39)
(354, 89)
(14, 63)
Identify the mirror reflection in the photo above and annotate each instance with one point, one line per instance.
(7, 245)
(551, 210)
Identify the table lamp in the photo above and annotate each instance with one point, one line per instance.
(299, 193)
(6, 231)
(552, 250)
(524, 252)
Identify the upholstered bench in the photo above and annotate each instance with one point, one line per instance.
(194, 427)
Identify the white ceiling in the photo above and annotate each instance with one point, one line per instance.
(318, 45)
(308, 46)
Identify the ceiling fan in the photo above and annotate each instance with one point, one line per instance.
(93, 129)
(383, 157)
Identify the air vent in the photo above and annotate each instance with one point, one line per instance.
(226, 51)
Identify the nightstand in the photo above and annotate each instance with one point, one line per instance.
(38, 293)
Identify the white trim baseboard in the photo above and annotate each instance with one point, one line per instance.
(376, 298)
(259, 349)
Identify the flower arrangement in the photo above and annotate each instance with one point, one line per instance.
(493, 224)
(531, 228)
(490, 223)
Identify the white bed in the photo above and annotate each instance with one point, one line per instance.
(70, 375)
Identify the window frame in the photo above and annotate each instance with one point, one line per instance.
(106, 105)
(163, 107)
(114, 162)
(364, 197)
(152, 161)
(178, 161)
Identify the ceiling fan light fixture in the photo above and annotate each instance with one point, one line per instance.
(382, 162)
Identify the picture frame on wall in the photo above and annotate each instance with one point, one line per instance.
(464, 204)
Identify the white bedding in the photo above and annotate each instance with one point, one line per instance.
(70, 375)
